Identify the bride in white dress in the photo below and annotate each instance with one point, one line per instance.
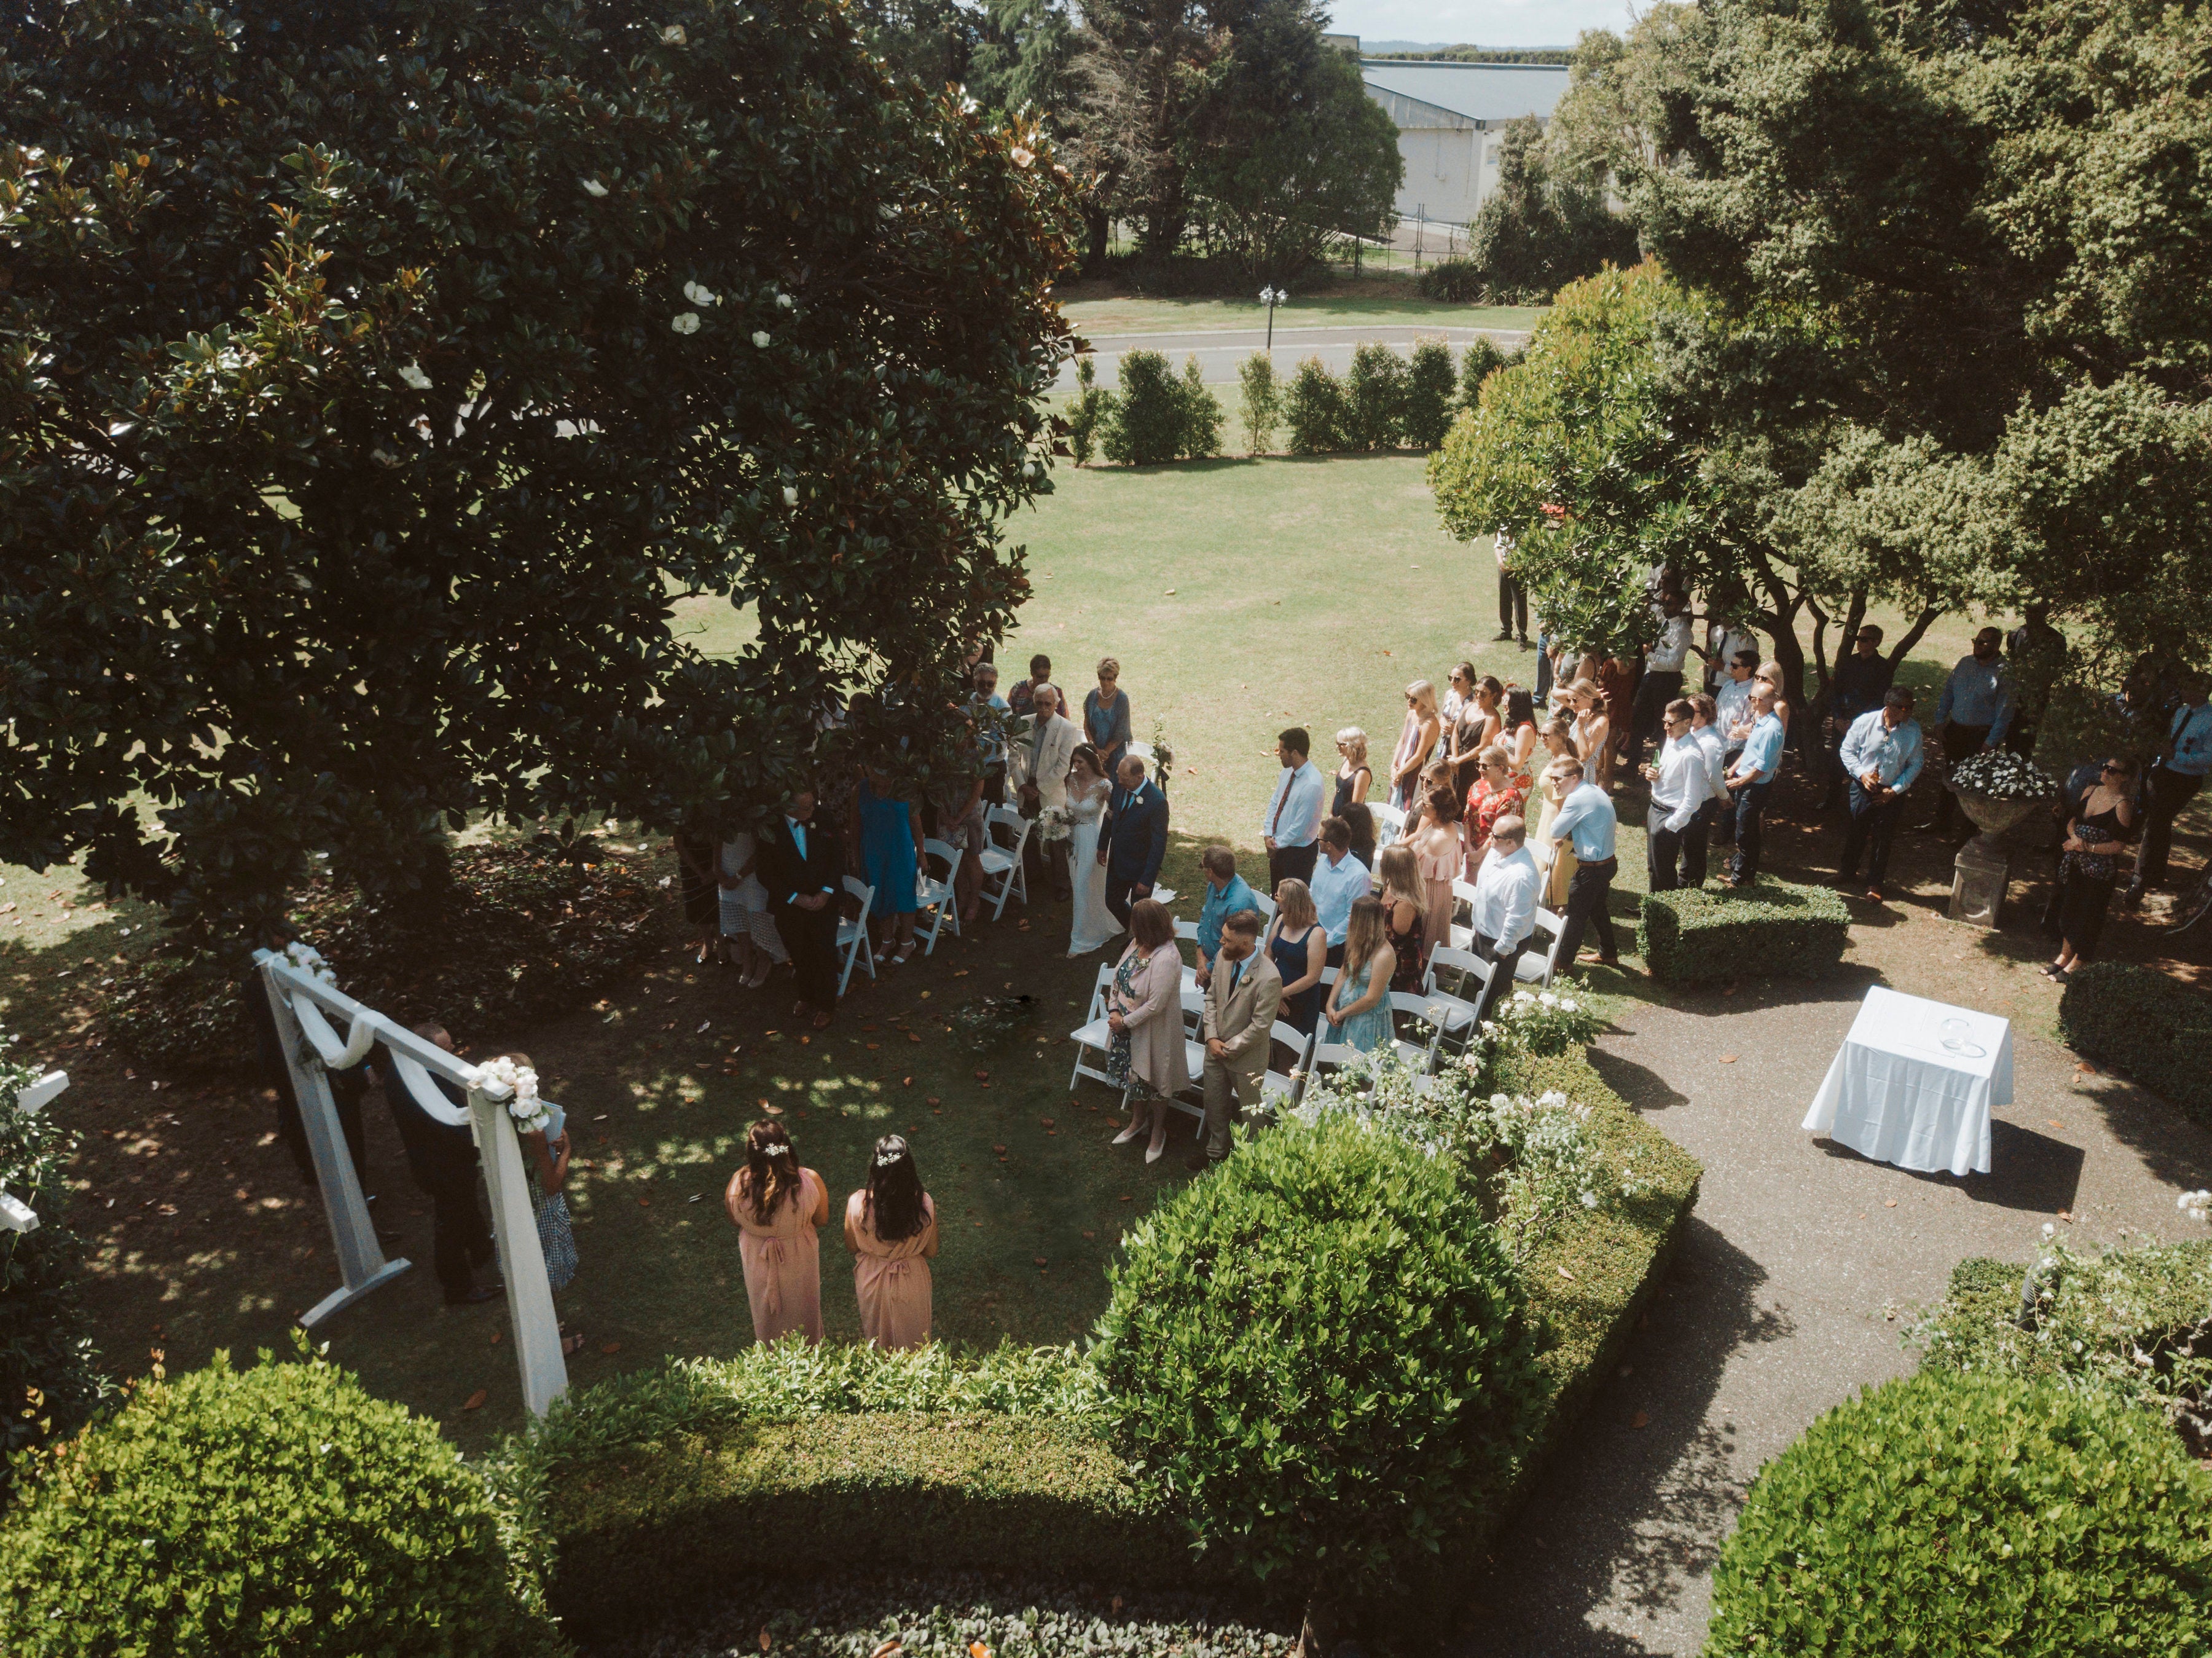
(1088, 789)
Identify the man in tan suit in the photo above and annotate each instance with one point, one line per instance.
(1242, 1000)
(1040, 756)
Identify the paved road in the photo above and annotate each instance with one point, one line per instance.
(1220, 350)
(1780, 1302)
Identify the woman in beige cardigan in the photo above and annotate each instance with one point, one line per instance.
(1145, 1013)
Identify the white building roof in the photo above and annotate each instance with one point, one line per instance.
(1463, 95)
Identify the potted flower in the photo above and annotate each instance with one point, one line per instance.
(1996, 789)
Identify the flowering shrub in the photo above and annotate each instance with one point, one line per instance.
(1543, 1023)
(2001, 774)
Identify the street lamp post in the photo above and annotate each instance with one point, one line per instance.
(1272, 297)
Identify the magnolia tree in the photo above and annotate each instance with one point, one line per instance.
(377, 380)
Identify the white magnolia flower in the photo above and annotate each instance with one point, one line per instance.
(699, 295)
(413, 374)
(673, 35)
(760, 339)
(593, 187)
(1023, 157)
(790, 497)
(785, 302)
(685, 322)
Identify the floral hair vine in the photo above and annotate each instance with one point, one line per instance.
(521, 1082)
(889, 1159)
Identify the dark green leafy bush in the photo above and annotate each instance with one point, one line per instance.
(1316, 410)
(1945, 1514)
(1429, 385)
(1320, 1352)
(1149, 420)
(1261, 403)
(275, 1510)
(527, 934)
(1770, 929)
(1375, 394)
(2146, 1025)
(1093, 404)
(1454, 281)
(1483, 359)
(49, 1381)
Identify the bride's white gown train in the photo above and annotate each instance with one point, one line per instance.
(1094, 926)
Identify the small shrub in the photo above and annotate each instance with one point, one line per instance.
(1319, 1349)
(1454, 281)
(1093, 406)
(1202, 415)
(527, 934)
(1261, 405)
(1316, 411)
(2145, 1025)
(1980, 1514)
(1696, 936)
(276, 1510)
(1483, 358)
(1148, 422)
(49, 1380)
(1375, 394)
(1428, 407)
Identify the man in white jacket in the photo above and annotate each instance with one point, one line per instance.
(1680, 786)
(1504, 910)
(1041, 757)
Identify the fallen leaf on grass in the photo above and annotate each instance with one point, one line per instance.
(1046, 1122)
(475, 1401)
(931, 1099)
(906, 1082)
(999, 1149)
(1641, 1419)
(982, 1076)
(1039, 1260)
(611, 1346)
(1127, 1197)
(496, 1335)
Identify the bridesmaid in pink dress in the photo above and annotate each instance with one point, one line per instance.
(778, 1207)
(891, 1226)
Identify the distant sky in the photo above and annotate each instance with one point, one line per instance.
(1479, 23)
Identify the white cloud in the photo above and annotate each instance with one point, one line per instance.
(1479, 23)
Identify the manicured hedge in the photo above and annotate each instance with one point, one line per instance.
(2145, 1025)
(1770, 929)
(1947, 1513)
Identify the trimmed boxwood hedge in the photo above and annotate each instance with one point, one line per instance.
(643, 1489)
(2144, 1024)
(1769, 929)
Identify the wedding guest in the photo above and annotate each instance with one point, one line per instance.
(1749, 780)
(1022, 699)
(1617, 680)
(1556, 859)
(1133, 840)
(442, 1157)
(1144, 1014)
(890, 1227)
(1354, 776)
(1464, 737)
(1457, 692)
(1225, 893)
(990, 712)
(1679, 789)
(958, 799)
(2035, 656)
(1440, 852)
(1242, 1000)
(1733, 702)
(1723, 639)
(750, 940)
(701, 893)
(1857, 688)
(1298, 945)
(804, 869)
(1662, 683)
(545, 1162)
(1976, 706)
(1698, 835)
(2172, 781)
(1092, 925)
(890, 837)
(1361, 823)
(1357, 1013)
(1503, 914)
(1405, 915)
(778, 1209)
(1512, 597)
(1417, 740)
(1881, 756)
(1493, 797)
(1593, 733)
(1586, 824)
(2104, 824)
(1517, 733)
(1559, 739)
(1769, 674)
(1292, 821)
(1339, 881)
(1106, 720)
(1041, 762)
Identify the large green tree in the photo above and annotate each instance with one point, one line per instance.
(374, 376)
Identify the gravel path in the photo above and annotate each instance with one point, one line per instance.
(1794, 1284)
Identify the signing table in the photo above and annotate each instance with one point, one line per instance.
(1914, 1083)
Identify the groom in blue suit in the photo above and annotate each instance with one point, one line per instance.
(1133, 840)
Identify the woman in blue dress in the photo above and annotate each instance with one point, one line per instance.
(891, 837)
(1359, 1002)
(1106, 722)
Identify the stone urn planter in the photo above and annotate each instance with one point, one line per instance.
(1993, 816)
(1982, 873)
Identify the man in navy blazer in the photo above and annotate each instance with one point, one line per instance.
(1133, 840)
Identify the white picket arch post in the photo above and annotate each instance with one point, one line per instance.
(311, 1047)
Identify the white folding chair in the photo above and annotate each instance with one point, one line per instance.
(1003, 863)
(1325, 1057)
(1535, 969)
(932, 894)
(1389, 822)
(853, 939)
(1430, 1011)
(1281, 1088)
(1194, 1014)
(1264, 904)
(1093, 1038)
(1469, 975)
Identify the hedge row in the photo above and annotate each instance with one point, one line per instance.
(1771, 928)
(2145, 1025)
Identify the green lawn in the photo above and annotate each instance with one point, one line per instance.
(1102, 318)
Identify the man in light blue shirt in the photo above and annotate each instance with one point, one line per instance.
(1225, 893)
(1881, 756)
(1750, 779)
(1586, 822)
(1291, 823)
(1339, 881)
(2172, 783)
(1976, 706)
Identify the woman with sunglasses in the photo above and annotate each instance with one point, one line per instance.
(2102, 828)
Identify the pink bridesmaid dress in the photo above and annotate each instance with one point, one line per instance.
(783, 1263)
(892, 1280)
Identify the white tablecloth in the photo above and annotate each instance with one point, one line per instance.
(1896, 1092)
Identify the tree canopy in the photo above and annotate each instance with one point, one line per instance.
(374, 377)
